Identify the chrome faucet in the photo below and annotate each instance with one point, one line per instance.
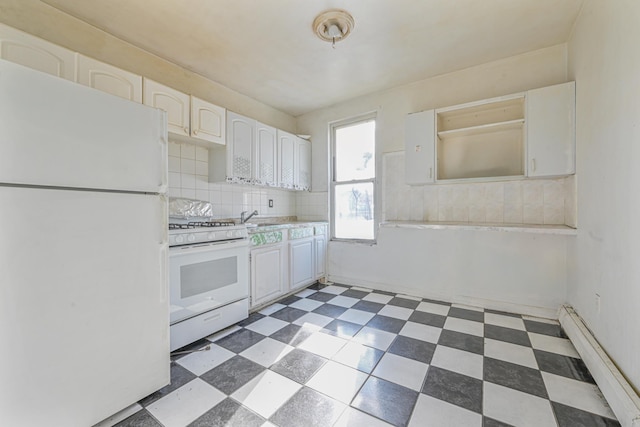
(244, 219)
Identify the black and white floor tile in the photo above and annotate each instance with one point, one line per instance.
(346, 356)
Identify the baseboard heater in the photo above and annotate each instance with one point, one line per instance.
(622, 398)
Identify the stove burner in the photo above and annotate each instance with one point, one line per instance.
(178, 226)
(212, 224)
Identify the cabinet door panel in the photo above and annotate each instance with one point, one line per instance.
(174, 102)
(420, 148)
(301, 262)
(267, 274)
(266, 155)
(33, 52)
(240, 146)
(109, 79)
(207, 121)
(321, 246)
(286, 157)
(551, 130)
(304, 165)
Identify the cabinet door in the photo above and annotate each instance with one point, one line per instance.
(266, 155)
(35, 53)
(267, 274)
(301, 262)
(174, 102)
(419, 148)
(240, 146)
(286, 159)
(303, 165)
(320, 255)
(110, 79)
(551, 130)
(207, 121)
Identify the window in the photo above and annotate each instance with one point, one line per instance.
(353, 182)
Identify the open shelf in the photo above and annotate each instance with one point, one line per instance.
(481, 140)
(480, 129)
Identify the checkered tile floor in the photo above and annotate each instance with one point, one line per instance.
(345, 356)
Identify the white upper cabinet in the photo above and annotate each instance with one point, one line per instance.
(286, 159)
(528, 134)
(33, 52)
(266, 155)
(551, 130)
(420, 148)
(241, 132)
(207, 121)
(303, 167)
(175, 103)
(109, 79)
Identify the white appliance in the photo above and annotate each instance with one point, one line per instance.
(208, 278)
(83, 251)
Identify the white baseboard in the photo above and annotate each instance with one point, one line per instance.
(510, 307)
(624, 401)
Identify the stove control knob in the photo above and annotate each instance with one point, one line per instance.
(191, 238)
(238, 233)
(179, 239)
(211, 236)
(229, 233)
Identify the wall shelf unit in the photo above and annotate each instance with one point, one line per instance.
(524, 135)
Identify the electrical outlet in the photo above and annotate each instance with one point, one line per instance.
(270, 203)
(598, 303)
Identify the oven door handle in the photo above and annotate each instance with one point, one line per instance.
(207, 247)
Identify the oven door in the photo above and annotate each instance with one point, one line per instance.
(207, 276)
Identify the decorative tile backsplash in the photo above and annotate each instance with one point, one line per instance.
(189, 177)
(539, 201)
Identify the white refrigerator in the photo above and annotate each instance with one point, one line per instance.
(84, 323)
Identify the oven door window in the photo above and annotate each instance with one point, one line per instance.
(203, 277)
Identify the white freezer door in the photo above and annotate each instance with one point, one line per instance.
(57, 133)
(84, 312)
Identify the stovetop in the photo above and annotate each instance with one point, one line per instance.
(194, 232)
(200, 224)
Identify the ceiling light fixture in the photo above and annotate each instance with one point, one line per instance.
(333, 25)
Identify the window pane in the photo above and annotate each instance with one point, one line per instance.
(353, 205)
(355, 151)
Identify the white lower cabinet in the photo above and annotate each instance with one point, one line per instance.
(320, 243)
(301, 262)
(268, 273)
(284, 260)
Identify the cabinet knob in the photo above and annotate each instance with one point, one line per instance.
(186, 130)
(195, 132)
(431, 172)
(533, 165)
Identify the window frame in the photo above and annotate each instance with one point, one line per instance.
(333, 126)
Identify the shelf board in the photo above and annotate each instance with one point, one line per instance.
(480, 129)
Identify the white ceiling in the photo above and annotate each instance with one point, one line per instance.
(266, 49)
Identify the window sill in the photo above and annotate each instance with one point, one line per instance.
(517, 228)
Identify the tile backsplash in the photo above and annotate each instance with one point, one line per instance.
(524, 201)
(189, 178)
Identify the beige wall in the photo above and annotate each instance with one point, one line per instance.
(39, 19)
(604, 59)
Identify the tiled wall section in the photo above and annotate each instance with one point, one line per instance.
(189, 177)
(312, 206)
(540, 201)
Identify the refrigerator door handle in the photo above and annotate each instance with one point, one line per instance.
(164, 265)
